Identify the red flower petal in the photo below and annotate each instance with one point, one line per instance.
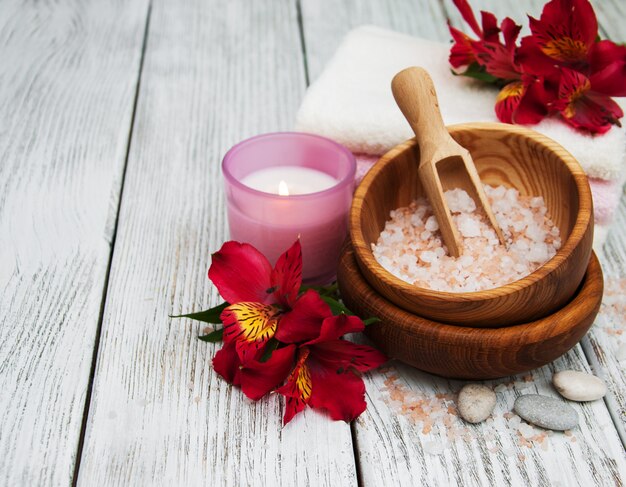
(468, 15)
(594, 112)
(304, 321)
(259, 378)
(608, 68)
(249, 326)
(536, 101)
(462, 51)
(226, 363)
(334, 327)
(287, 275)
(241, 273)
(584, 109)
(297, 389)
(566, 30)
(508, 100)
(497, 59)
(341, 395)
(532, 60)
(342, 354)
(510, 31)
(491, 32)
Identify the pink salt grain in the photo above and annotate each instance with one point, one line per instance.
(410, 246)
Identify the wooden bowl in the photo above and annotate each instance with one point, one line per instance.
(470, 353)
(504, 154)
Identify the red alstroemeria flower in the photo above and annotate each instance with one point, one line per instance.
(497, 58)
(255, 378)
(566, 36)
(259, 295)
(563, 35)
(326, 375)
(582, 107)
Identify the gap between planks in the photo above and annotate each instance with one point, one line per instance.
(105, 288)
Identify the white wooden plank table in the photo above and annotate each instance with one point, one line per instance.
(113, 121)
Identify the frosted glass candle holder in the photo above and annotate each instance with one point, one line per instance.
(271, 221)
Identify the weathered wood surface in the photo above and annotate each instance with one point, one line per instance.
(605, 345)
(215, 72)
(611, 15)
(325, 23)
(411, 433)
(68, 76)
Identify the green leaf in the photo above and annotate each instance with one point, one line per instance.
(478, 72)
(208, 316)
(331, 289)
(213, 337)
(272, 344)
(371, 321)
(335, 306)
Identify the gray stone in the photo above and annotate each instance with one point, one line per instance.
(547, 412)
(578, 386)
(476, 402)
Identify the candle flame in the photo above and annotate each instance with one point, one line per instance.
(283, 190)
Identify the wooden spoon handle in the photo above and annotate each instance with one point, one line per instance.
(415, 94)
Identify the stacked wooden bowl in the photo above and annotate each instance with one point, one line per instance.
(492, 333)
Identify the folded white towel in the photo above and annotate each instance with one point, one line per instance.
(351, 101)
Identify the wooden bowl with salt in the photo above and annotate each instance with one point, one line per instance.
(505, 155)
(464, 352)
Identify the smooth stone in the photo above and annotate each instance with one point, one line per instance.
(547, 412)
(476, 402)
(578, 386)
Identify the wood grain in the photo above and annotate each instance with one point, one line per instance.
(605, 345)
(411, 435)
(464, 352)
(215, 72)
(325, 22)
(68, 80)
(610, 14)
(503, 154)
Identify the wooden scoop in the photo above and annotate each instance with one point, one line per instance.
(444, 164)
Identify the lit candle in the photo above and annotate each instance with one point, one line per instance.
(289, 180)
(284, 186)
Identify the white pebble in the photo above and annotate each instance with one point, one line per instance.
(476, 402)
(578, 386)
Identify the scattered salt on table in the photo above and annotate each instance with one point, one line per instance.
(411, 248)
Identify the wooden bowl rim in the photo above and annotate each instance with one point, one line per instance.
(586, 299)
(365, 257)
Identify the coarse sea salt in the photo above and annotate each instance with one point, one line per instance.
(410, 247)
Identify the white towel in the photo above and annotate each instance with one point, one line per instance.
(351, 101)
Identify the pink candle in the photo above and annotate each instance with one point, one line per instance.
(289, 185)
